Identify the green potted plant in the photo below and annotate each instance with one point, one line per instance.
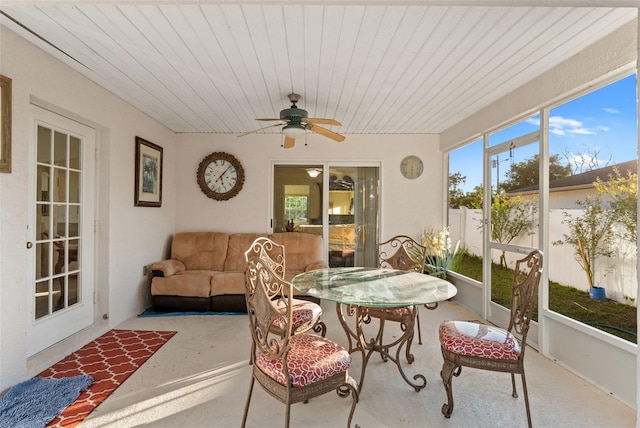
(591, 238)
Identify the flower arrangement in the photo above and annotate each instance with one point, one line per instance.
(440, 253)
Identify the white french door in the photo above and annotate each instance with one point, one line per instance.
(61, 232)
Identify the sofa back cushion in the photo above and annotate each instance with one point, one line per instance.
(238, 244)
(200, 250)
(300, 250)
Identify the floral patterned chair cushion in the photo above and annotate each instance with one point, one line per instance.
(311, 359)
(304, 315)
(479, 340)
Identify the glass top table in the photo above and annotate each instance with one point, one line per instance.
(366, 293)
(365, 286)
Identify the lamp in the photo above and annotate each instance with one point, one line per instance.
(294, 130)
(314, 172)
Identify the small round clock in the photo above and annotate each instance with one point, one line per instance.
(411, 167)
(220, 176)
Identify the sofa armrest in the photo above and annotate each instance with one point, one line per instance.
(167, 267)
(316, 266)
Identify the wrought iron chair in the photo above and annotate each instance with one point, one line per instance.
(306, 314)
(291, 368)
(487, 347)
(404, 253)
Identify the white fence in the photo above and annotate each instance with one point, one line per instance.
(617, 274)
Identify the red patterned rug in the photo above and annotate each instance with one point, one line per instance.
(110, 360)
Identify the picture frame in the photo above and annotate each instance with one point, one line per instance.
(148, 180)
(5, 124)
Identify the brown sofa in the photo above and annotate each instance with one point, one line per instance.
(206, 269)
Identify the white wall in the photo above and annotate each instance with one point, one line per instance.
(407, 205)
(128, 237)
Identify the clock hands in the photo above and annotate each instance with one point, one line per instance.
(221, 175)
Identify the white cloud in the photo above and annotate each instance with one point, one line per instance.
(559, 125)
(612, 110)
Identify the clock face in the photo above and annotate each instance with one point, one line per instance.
(220, 176)
(411, 167)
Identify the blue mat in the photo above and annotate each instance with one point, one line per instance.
(151, 313)
(35, 402)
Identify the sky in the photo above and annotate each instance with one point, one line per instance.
(602, 122)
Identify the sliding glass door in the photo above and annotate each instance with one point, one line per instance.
(339, 202)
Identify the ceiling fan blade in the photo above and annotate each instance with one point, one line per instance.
(322, 121)
(269, 118)
(329, 134)
(260, 129)
(289, 142)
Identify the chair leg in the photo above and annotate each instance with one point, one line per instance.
(526, 399)
(514, 393)
(350, 387)
(246, 406)
(288, 415)
(448, 368)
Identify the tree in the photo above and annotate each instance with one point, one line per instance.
(473, 200)
(622, 191)
(511, 217)
(527, 173)
(455, 192)
(584, 161)
(590, 234)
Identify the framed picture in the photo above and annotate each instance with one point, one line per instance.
(5, 124)
(148, 191)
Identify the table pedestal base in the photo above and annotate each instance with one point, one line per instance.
(376, 343)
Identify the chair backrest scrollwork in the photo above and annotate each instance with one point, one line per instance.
(526, 280)
(401, 252)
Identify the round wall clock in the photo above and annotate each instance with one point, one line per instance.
(411, 167)
(220, 176)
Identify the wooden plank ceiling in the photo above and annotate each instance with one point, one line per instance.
(393, 69)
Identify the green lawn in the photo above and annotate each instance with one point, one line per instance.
(610, 316)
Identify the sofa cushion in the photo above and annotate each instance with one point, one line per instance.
(194, 283)
(227, 283)
(200, 250)
(238, 244)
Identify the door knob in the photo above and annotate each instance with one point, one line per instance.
(29, 244)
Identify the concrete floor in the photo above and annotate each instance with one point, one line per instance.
(200, 378)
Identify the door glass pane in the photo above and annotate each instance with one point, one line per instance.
(74, 221)
(75, 160)
(42, 298)
(353, 206)
(342, 228)
(60, 149)
(297, 201)
(44, 145)
(59, 185)
(74, 187)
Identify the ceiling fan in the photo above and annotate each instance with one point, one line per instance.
(296, 123)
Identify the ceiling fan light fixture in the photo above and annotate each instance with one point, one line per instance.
(314, 172)
(294, 131)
